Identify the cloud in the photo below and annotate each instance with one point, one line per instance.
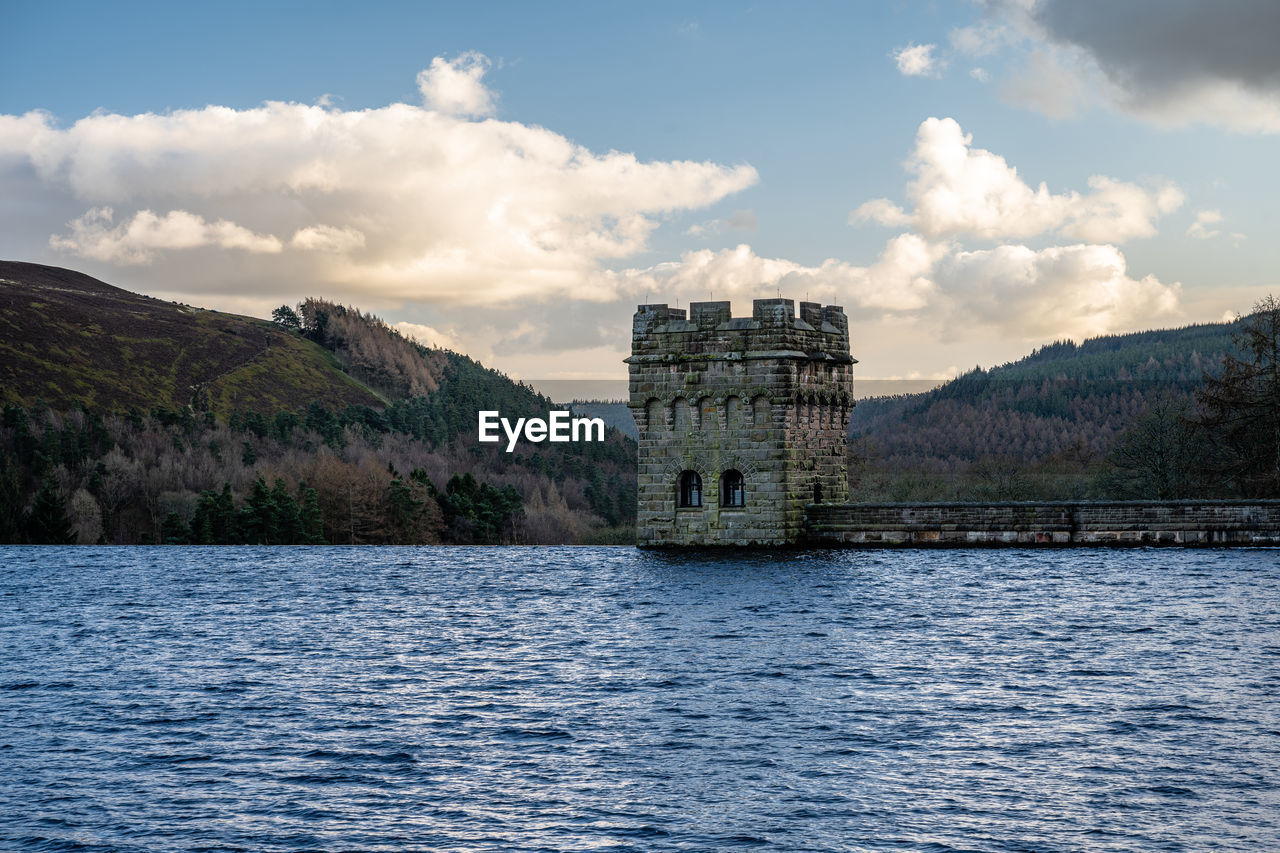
(381, 206)
(743, 220)
(454, 86)
(1201, 229)
(427, 335)
(1025, 294)
(897, 282)
(929, 293)
(449, 209)
(1054, 82)
(1169, 63)
(1075, 291)
(1010, 291)
(689, 29)
(982, 39)
(739, 220)
(139, 239)
(1160, 48)
(959, 190)
(917, 60)
(883, 211)
(326, 238)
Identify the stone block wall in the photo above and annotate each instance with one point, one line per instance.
(1062, 523)
(767, 396)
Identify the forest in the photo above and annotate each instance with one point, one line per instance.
(403, 473)
(1171, 414)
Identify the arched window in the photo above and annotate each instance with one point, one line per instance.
(690, 489)
(680, 416)
(733, 491)
(655, 416)
(707, 418)
(761, 412)
(733, 412)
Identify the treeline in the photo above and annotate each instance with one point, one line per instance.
(471, 512)
(367, 348)
(1175, 414)
(316, 476)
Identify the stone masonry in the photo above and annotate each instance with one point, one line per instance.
(761, 401)
(1045, 523)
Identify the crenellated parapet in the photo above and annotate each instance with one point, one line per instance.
(709, 333)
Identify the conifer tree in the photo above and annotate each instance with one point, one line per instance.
(48, 524)
(311, 518)
(10, 503)
(225, 529)
(174, 531)
(258, 516)
(202, 519)
(287, 318)
(401, 503)
(287, 520)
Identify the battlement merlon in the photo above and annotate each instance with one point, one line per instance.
(710, 332)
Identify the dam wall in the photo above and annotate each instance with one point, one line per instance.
(1044, 523)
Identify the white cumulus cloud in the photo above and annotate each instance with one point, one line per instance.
(897, 282)
(455, 87)
(959, 190)
(916, 60)
(137, 240)
(380, 206)
(1075, 291)
(1024, 294)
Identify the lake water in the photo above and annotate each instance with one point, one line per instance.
(608, 699)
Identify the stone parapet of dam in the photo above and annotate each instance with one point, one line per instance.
(1044, 523)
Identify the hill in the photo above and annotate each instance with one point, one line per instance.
(69, 340)
(1034, 427)
(128, 419)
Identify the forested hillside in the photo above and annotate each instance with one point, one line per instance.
(398, 463)
(1041, 427)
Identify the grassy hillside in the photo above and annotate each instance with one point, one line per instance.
(70, 340)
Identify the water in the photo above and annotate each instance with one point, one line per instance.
(607, 699)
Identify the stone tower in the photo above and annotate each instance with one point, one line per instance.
(742, 421)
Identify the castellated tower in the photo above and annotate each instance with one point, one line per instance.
(742, 421)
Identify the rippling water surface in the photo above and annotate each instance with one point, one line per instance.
(604, 698)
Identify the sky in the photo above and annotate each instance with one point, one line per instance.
(969, 180)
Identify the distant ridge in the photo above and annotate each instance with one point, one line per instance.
(1063, 400)
(68, 339)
